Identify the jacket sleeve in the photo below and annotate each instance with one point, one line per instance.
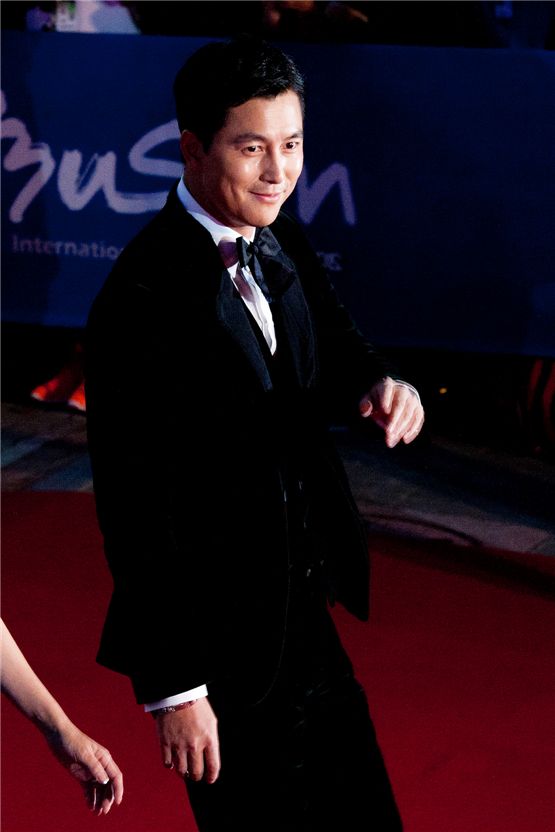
(349, 363)
(132, 434)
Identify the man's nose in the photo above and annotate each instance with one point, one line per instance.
(274, 168)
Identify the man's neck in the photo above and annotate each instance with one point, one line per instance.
(194, 206)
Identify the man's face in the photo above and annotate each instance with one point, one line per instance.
(252, 165)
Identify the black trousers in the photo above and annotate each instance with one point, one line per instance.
(306, 759)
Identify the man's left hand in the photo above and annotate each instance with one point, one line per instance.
(396, 408)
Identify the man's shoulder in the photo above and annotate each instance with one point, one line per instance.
(286, 225)
(149, 264)
(292, 237)
(170, 240)
(164, 231)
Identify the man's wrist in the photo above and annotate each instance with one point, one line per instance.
(169, 709)
(177, 699)
(410, 386)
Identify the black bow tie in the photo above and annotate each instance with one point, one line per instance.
(269, 265)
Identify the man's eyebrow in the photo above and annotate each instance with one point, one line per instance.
(257, 137)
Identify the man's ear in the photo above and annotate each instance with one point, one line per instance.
(191, 147)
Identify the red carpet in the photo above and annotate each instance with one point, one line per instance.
(457, 663)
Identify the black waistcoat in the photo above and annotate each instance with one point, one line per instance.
(288, 434)
(313, 651)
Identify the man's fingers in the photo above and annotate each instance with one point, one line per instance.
(365, 407)
(189, 741)
(406, 420)
(166, 752)
(195, 767)
(378, 401)
(387, 397)
(181, 762)
(406, 428)
(211, 764)
(414, 428)
(397, 427)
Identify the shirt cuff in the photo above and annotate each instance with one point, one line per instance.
(186, 696)
(411, 388)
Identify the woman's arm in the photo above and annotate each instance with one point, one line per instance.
(90, 763)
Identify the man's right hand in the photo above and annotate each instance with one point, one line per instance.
(189, 741)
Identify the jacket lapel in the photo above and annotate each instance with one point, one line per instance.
(298, 329)
(204, 259)
(209, 279)
(233, 316)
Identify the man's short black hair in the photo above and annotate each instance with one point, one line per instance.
(223, 75)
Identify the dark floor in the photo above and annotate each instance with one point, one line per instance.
(436, 488)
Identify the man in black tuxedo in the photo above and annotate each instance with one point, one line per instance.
(228, 522)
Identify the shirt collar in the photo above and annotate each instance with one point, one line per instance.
(216, 229)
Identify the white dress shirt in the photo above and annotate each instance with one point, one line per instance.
(243, 280)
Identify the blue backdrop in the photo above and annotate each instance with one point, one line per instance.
(429, 185)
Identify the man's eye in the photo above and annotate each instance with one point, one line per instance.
(252, 148)
(291, 145)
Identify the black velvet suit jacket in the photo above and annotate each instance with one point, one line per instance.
(187, 449)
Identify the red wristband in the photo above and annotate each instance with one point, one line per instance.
(169, 709)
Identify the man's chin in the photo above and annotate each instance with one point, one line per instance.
(266, 216)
